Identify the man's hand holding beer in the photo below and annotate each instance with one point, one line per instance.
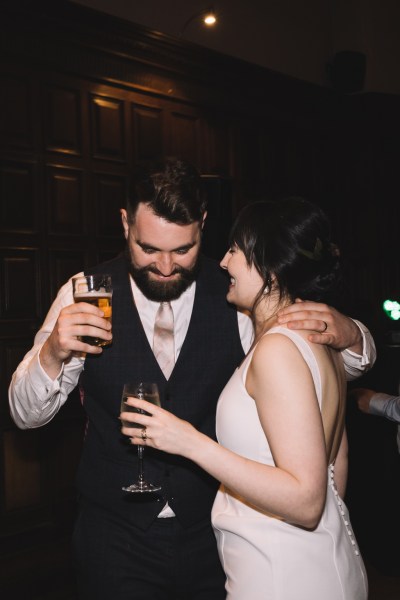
(76, 320)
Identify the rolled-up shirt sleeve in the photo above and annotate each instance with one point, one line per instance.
(357, 364)
(34, 398)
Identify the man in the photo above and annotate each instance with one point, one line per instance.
(157, 546)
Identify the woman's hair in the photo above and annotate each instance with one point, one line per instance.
(289, 240)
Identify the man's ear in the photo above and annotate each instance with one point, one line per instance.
(124, 220)
(203, 219)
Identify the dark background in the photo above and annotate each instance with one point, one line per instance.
(84, 96)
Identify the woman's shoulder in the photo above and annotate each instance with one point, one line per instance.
(283, 336)
(277, 344)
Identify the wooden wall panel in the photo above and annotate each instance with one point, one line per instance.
(20, 284)
(62, 120)
(15, 112)
(18, 209)
(110, 196)
(147, 131)
(65, 200)
(184, 136)
(108, 128)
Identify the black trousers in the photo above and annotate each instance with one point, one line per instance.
(115, 560)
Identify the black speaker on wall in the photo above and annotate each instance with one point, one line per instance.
(347, 71)
(219, 215)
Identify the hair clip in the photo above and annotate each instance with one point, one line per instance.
(316, 254)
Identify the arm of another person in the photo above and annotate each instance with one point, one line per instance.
(50, 370)
(295, 488)
(377, 403)
(333, 328)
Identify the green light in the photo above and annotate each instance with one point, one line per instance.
(392, 309)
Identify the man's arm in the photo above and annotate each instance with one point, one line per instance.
(333, 328)
(34, 396)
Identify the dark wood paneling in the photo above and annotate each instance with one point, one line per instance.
(110, 196)
(184, 136)
(108, 128)
(17, 196)
(15, 112)
(20, 284)
(147, 131)
(62, 120)
(65, 200)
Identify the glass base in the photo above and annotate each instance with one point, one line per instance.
(142, 487)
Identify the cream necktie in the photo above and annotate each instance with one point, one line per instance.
(163, 340)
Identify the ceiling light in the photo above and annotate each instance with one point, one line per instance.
(208, 16)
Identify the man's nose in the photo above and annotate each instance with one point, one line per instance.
(165, 264)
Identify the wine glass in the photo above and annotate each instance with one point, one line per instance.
(149, 392)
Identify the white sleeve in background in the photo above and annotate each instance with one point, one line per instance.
(34, 398)
(356, 364)
(385, 405)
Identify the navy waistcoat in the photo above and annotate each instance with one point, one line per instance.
(210, 353)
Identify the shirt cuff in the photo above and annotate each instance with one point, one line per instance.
(43, 386)
(367, 357)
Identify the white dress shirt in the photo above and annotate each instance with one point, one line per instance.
(35, 398)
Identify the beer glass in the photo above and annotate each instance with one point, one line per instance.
(96, 290)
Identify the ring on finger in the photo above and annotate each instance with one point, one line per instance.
(326, 326)
(144, 434)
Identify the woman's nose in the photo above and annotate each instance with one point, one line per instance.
(224, 261)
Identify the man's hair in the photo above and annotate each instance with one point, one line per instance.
(172, 188)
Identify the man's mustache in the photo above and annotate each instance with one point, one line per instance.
(177, 270)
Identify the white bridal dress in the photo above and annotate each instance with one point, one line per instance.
(264, 557)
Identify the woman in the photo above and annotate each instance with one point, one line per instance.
(282, 528)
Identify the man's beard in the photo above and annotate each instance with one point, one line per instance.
(162, 291)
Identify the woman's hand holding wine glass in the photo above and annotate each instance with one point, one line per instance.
(164, 431)
(130, 422)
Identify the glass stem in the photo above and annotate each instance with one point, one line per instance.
(140, 459)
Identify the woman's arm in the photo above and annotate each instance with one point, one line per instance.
(288, 409)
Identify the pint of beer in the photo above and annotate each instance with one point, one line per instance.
(97, 290)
